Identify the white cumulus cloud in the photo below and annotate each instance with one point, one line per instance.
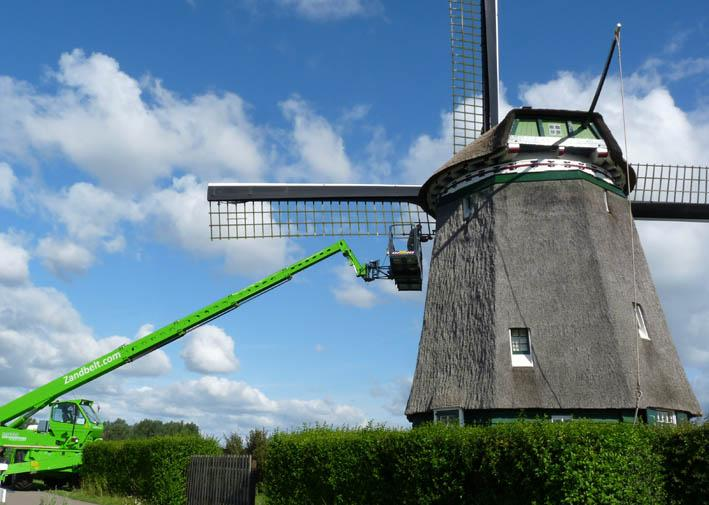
(14, 261)
(90, 213)
(427, 153)
(351, 290)
(331, 10)
(125, 132)
(63, 257)
(215, 402)
(658, 129)
(8, 182)
(180, 215)
(319, 148)
(210, 350)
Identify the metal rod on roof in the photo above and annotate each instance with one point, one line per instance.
(605, 69)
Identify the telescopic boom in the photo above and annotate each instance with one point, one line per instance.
(15, 413)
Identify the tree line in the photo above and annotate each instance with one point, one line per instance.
(147, 428)
(254, 444)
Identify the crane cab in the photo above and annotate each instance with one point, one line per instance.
(72, 422)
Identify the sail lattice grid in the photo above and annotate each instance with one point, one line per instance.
(304, 218)
(658, 183)
(468, 77)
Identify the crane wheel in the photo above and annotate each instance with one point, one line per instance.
(22, 482)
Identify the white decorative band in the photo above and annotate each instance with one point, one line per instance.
(527, 166)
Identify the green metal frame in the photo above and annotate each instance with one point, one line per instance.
(60, 448)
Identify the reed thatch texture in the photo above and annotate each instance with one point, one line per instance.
(549, 257)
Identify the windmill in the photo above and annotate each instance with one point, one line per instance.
(540, 301)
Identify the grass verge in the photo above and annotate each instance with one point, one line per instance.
(83, 495)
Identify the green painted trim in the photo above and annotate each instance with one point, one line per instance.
(555, 175)
(501, 416)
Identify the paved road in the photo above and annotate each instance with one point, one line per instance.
(37, 497)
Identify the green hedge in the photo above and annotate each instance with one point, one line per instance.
(518, 463)
(685, 452)
(154, 469)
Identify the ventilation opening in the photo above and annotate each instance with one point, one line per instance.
(640, 322)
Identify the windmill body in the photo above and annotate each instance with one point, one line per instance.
(532, 293)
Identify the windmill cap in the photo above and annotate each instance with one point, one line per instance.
(494, 142)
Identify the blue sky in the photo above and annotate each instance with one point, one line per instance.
(114, 116)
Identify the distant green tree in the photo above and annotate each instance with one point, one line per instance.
(116, 430)
(256, 445)
(147, 428)
(234, 445)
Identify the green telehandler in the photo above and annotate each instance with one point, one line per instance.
(51, 450)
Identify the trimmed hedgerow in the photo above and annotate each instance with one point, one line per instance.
(685, 452)
(154, 469)
(518, 463)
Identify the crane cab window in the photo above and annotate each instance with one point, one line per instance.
(67, 413)
(90, 413)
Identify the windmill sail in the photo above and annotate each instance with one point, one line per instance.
(679, 192)
(238, 211)
(474, 53)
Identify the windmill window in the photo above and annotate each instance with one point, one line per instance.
(561, 418)
(640, 322)
(468, 207)
(521, 347)
(448, 416)
(555, 130)
(665, 417)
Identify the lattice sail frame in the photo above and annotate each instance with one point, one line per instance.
(264, 211)
(658, 183)
(474, 65)
(238, 211)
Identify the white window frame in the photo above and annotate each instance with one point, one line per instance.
(461, 420)
(640, 321)
(521, 360)
(669, 417)
(561, 418)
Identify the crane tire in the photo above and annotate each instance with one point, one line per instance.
(22, 482)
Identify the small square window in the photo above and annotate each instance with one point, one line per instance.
(640, 322)
(521, 347)
(555, 130)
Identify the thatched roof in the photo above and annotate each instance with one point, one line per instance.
(494, 141)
